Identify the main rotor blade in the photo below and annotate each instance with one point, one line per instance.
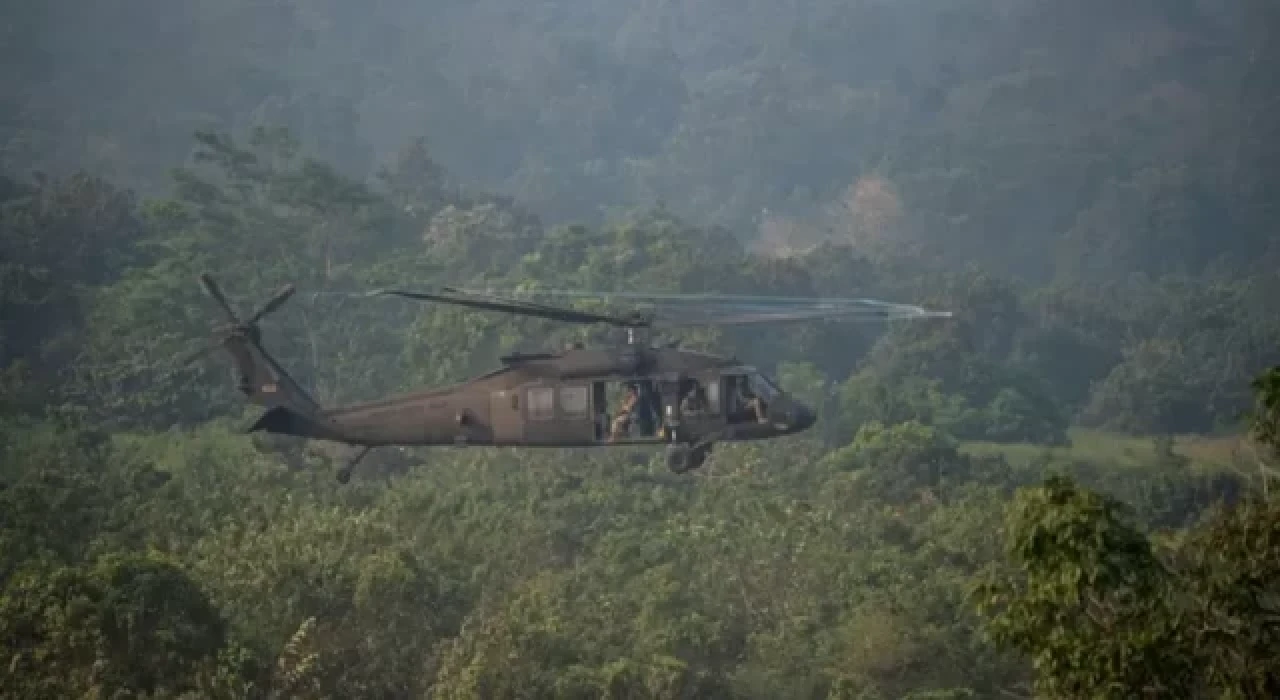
(688, 297)
(211, 288)
(756, 318)
(475, 301)
(675, 309)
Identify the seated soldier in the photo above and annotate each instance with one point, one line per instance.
(622, 422)
(648, 410)
(755, 404)
(694, 399)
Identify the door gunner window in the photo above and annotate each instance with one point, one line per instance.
(542, 404)
(695, 398)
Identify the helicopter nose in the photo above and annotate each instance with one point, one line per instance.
(803, 418)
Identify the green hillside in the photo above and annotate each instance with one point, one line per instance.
(1064, 490)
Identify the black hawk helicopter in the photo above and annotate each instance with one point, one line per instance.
(683, 399)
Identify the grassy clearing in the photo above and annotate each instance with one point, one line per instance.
(1209, 454)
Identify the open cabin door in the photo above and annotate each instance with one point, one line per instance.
(701, 407)
(643, 423)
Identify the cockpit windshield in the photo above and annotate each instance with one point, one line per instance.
(762, 387)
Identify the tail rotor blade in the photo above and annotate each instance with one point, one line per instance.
(189, 358)
(211, 288)
(274, 303)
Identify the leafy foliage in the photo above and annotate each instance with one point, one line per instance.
(1103, 613)
(127, 623)
(1093, 615)
(1089, 189)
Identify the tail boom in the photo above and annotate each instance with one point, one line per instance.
(261, 379)
(283, 420)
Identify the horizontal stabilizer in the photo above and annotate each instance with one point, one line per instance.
(282, 420)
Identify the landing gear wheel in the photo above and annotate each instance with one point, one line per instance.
(684, 458)
(344, 474)
(678, 458)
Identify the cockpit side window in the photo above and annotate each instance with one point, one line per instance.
(734, 385)
(747, 398)
(762, 387)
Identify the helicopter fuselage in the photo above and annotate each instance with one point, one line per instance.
(569, 399)
(633, 394)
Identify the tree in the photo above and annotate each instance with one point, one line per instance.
(256, 216)
(1092, 606)
(126, 624)
(60, 239)
(1103, 611)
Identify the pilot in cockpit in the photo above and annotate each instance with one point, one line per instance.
(754, 403)
(745, 401)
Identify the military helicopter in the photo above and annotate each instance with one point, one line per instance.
(685, 400)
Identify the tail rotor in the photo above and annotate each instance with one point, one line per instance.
(234, 325)
(258, 376)
(211, 288)
(275, 302)
(290, 409)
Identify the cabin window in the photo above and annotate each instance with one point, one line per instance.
(542, 404)
(573, 400)
(737, 397)
(762, 387)
(713, 396)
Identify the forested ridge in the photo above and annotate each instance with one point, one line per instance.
(1065, 490)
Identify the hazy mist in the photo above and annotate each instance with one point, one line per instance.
(999, 120)
(1020, 497)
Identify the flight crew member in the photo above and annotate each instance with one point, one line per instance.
(694, 398)
(745, 400)
(625, 411)
(754, 404)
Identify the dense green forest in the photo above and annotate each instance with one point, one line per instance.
(1065, 490)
